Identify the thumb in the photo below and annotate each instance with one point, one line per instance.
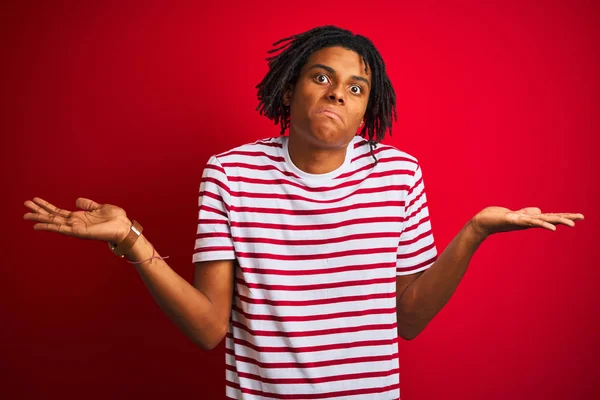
(86, 204)
(530, 210)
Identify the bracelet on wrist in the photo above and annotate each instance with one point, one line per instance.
(126, 244)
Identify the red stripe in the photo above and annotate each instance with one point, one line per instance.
(416, 253)
(322, 332)
(304, 272)
(418, 210)
(415, 185)
(212, 221)
(360, 143)
(334, 210)
(316, 364)
(208, 235)
(371, 165)
(285, 182)
(251, 154)
(259, 168)
(309, 380)
(302, 303)
(417, 266)
(311, 227)
(410, 204)
(311, 349)
(416, 239)
(217, 182)
(313, 395)
(307, 242)
(387, 189)
(255, 167)
(317, 286)
(310, 242)
(213, 210)
(266, 225)
(322, 256)
(215, 167)
(318, 317)
(376, 151)
(213, 248)
(415, 226)
(213, 196)
(269, 144)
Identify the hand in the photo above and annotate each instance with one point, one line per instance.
(499, 219)
(97, 222)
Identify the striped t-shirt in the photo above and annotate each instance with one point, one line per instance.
(316, 260)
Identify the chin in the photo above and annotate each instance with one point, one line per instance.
(328, 136)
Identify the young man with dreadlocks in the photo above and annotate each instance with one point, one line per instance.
(314, 251)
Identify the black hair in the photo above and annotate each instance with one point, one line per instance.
(294, 51)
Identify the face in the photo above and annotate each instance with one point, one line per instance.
(329, 100)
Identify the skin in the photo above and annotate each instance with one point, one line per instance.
(317, 145)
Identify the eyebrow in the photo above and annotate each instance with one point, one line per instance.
(332, 71)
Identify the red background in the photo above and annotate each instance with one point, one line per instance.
(124, 103)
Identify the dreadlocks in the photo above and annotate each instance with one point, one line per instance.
(294, 51)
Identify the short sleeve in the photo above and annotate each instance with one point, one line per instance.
(416, 248)
(213, 237)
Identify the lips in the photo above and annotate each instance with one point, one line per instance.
(330, 113)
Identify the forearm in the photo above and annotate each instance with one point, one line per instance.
(426, 295)
(186, 306)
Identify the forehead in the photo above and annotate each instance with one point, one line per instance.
(342, 60)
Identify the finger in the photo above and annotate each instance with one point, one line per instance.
(535, 222)
(51, 208)
(571, 216)
(47, 218)
(62, 229)
(35, 208)
(556, 219)
(86, 204)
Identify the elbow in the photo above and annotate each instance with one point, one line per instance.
(409, 329)
(411, 318)
(209, 342)
(411, 324)
(206, 345)
(408, 334)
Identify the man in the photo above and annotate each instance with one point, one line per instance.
(314, 250)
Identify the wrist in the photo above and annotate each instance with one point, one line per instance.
(475, 232)
(123, 231)
(141, 250)
(134, 232)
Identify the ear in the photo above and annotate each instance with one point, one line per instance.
(287, 94)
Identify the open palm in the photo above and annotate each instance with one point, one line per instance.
(96, 222)
(499, 219)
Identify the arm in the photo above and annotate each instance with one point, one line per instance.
(420, 298)
(201, 311)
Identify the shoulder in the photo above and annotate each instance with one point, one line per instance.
(264, 154)
(385, 154)
(269, 146)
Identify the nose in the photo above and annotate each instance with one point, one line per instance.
(336, 94)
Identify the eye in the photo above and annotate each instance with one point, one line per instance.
(355, 89)
(321, 78)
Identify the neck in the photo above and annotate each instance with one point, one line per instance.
(314, 160)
